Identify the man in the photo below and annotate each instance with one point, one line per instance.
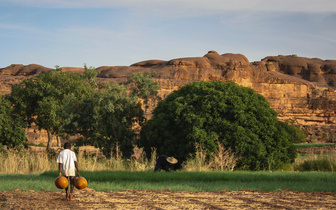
(67, 162)
(164, 162)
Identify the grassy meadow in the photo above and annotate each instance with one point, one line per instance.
(304, 146)
(26, 161)
(181, 180)
(29, 170)
(89, 159)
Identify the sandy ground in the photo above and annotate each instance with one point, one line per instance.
(165, 199)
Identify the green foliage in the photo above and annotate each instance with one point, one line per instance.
(204, 112)
(108, 117)
(90, 74)
(143, 86)
(12, 133)
(41, 145)
(304, 146)
(323, 164)
(3, 151)
(40, 100)
(104, 115)
(298, 135)
(286, 167)
(104, 119)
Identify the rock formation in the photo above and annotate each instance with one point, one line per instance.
(299, 89)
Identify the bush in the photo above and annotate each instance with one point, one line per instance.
(286, 167)
(203, 113)
(298, 135)
(317, 165)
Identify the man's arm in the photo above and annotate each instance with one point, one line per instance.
(60, 166)
(76, 165)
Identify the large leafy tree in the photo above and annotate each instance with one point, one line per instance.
(102, 115)
(203, 113)
(39, 100)
(103, 119)
(110, 116)
(12, 133)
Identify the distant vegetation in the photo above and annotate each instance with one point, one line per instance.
(206, 125)
(304, 146)
(24, 161)
(325, 160)
(64, 104)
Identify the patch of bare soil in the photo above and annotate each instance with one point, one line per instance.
(165, 199)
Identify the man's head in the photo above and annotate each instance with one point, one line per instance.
(67, 145)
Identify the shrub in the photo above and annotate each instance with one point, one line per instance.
(285, 167)
(317, 165)
(203, 113)
(298, 135)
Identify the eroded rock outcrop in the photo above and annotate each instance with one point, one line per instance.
(320, 72)
(298, 88)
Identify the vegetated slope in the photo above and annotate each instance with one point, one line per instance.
(299, 89)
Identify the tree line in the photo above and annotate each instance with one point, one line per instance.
(107, 115)
(66, 104)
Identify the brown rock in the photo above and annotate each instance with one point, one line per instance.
(311, 69)
(33, 69)
(298, 88)
(149, 63)
(73, 69)
(11, 70)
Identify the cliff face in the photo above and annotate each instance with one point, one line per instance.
(298, 88)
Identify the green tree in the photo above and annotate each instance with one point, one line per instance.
(203, 113)
(12, 133)
(39, 100)
(143, 87)
(109, 116)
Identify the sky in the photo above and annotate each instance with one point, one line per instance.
(123, 32)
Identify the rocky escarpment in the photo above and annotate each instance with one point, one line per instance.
(299, 89)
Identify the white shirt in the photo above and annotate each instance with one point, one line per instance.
(67, 158)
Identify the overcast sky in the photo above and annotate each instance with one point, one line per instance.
(123, 32)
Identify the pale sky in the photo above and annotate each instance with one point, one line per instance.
(123, 32)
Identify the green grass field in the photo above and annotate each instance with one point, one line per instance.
(317, 156)
(181, 180)
(304, 146)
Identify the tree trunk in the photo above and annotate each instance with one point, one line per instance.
(49, 139)
(58, 141)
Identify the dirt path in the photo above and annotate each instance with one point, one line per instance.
(165, 199)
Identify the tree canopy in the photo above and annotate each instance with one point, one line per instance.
(203, 113)
(100, 114)
(12, 133)
(111, 115)
(39, 100)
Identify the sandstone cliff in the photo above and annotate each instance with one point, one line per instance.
(301, 89)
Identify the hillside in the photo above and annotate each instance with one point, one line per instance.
(298, 88)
